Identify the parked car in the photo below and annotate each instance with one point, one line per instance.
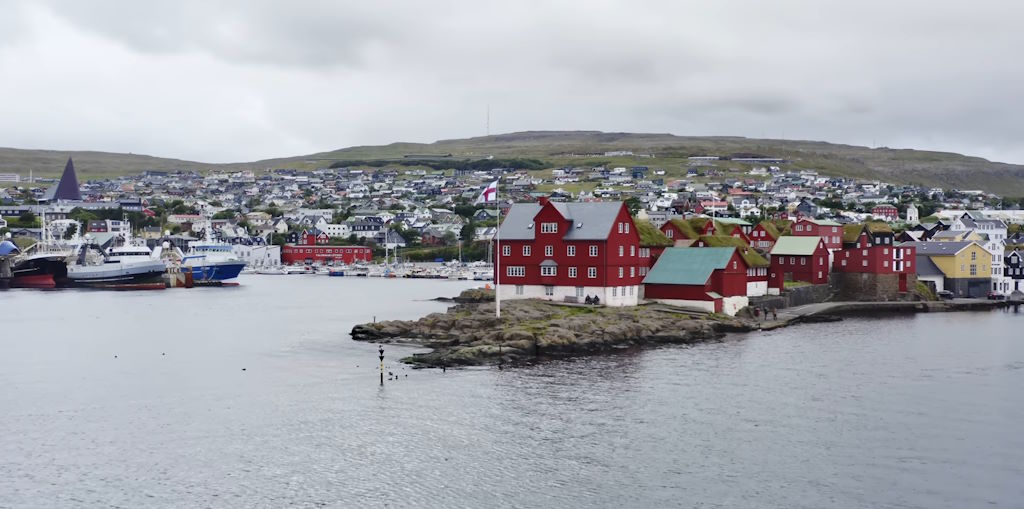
(996, 296)
(944, 294)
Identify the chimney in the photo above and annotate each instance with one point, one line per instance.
(543, 200)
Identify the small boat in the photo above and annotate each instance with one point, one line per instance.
(297, 269)
(270, 271)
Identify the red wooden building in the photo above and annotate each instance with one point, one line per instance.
(798, 259)
(312, 248)
(830, 231)
(869, 249)
(710, 278)
(885, 212)
(569, 251)
(764, 235)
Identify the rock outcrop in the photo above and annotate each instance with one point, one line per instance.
(470, 334)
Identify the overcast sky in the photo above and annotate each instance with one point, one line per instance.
(221, 81)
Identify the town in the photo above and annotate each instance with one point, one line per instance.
(718, 233)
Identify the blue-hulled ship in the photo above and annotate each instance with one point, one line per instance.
(211, 260)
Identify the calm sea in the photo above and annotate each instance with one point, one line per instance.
(256, 397)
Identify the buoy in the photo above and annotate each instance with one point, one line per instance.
(243, 369)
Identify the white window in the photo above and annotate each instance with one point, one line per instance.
(506, 250)
(593, 250)
(621, 274)
(631, 290)
(615, 291)
(864, 263)
(549, 290)
(519, 289)
(669, 233)
(570, 251)
(734, 265)
(864, 252)
(844, 263)
(792, 260)
(885, 251)
(526, 250)
(548, 270)
(819, 274)
(572, 272)
(799, 227)
(579, 291)
(549, 250)
(622, 250)
(515, 271)
(592, 272)
(620, 227)
(885, 263)
(632, 251)
(549, 227)
(803, 261)
(627, 227)
(632, 272)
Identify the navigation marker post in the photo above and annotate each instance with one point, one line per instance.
(380, 349)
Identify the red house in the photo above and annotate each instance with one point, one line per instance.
(830, 231)
(312, 248)
(695, 227)
(764, 235)
(885, 212)
(869, 249)
(709, 278)
(798, 259)
(569, 251)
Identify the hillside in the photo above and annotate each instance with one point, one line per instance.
(583, 147)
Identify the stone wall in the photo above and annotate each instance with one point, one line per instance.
(855, 286)
(794, 297)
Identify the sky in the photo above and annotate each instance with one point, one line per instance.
(221, 81)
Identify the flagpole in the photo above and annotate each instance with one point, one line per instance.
(497, 249)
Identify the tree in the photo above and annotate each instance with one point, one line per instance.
(448, 238)
(468, 232)
(634, 205)
(226, 214)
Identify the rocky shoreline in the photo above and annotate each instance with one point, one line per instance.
(469, 334)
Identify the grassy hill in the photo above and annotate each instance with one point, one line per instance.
(587, 147)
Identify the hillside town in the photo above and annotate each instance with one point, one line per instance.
(719, 233)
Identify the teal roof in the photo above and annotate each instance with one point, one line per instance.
(732, 220)
(688, 265)
(796, 246)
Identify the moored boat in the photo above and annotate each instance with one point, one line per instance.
(129, 266)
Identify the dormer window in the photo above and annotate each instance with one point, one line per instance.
(549, 227)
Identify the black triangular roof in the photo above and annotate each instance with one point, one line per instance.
(67, 188)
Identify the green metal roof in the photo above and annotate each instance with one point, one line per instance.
(796, 246)
(688, 265)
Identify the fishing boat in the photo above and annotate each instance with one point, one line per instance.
(211, 259)
(44, 264)
(129, 266)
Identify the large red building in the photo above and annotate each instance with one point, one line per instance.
(830, 231)
(869, 249)
(798, 259)
(569, 251)
(313, 248)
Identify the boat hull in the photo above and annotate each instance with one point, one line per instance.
(216, 271)
(146, 276)
(40, 272)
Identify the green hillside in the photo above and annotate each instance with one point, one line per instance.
(558, 148)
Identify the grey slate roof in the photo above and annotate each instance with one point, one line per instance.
(590, 221)
(938, 248)
(926, 267)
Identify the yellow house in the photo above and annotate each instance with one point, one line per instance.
(963, 268)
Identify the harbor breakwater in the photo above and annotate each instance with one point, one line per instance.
(469, 333)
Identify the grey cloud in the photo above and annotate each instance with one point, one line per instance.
(264, 79)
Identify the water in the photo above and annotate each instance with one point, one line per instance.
(920, 411)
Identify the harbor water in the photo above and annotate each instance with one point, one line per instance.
(255, 396)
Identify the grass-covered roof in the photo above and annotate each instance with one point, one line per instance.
(752, 257)
(651, 236)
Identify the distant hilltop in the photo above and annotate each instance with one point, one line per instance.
(581, 148)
